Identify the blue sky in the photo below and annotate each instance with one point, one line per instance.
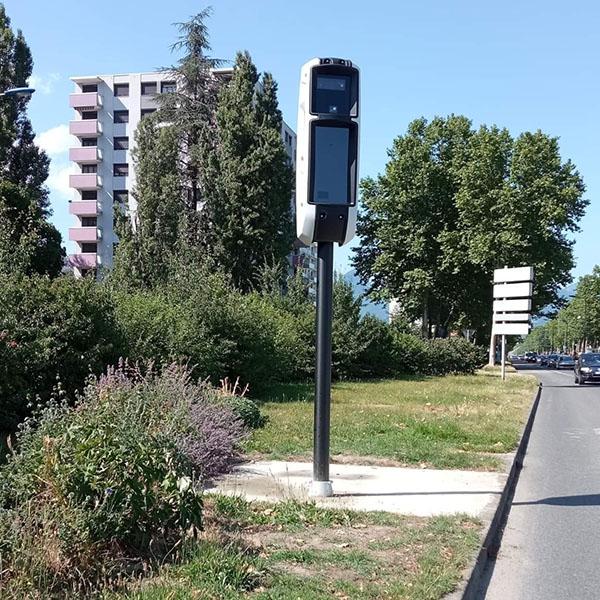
(520, 64)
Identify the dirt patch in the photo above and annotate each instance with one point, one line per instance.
(330, 553)
(320, 538)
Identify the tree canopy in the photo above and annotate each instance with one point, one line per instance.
(214, 182)
(29, 243)
(453, 204)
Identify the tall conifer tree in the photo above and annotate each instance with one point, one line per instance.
(24, 205)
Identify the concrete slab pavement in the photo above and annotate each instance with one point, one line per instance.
(419, 492)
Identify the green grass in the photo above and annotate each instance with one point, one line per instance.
(443, 422)
(298, 551)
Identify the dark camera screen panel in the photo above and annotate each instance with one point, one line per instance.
(332, 95)
(330, 156)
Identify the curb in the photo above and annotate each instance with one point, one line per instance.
(491, 543)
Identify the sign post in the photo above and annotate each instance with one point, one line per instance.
(513, 289)
(326, 178)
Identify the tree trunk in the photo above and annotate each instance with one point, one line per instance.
(492, 357)
(425, 323)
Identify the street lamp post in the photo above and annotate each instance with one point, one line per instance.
(18, 92)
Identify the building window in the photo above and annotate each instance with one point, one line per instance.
(121, 143)
(89, 221)
(89, 114)
(89, 247)
(121, 116)
(89, 168)
(89, 141)
(89, 194)
(148, 88)
(168, 87)
(121, 89)
(147, 111)
(120, 196)
(89, 87)
(120, 169)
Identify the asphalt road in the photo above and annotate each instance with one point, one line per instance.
(551, 544)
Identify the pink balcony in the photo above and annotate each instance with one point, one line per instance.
(85, 181)
(83, 234)
(85, 155)
(85, 101)
(84, 208)
(83, 260)
(85, 128)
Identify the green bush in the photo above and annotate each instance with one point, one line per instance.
(246, 410)
(410, 354)
(51, 331)
(441, 356)
(454, 355)
(218, 331)
(377, 357)
(100, 486)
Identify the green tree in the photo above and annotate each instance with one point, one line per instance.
(407, 213)
(246, 220)
(347, 340)
(191, 108)
(150, 238)
(24, 204)
(452, 205)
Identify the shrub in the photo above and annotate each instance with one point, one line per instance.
(212, 443)
(442, 356)
(246, 410)
(454, 355)
(50, 330)
(377, 352)
(111, 480)
(410, 354)
(158, 327)
(217, 331)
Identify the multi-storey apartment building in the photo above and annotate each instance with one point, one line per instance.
(108, 110)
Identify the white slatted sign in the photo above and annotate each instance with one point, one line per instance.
(515, 305)
(513, 290)
(511, 328)
(511, 317)
(513, 275)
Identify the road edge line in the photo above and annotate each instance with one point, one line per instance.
(493, 538)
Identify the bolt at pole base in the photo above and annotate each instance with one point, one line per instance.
(320, 489)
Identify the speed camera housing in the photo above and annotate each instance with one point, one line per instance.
(327, 151)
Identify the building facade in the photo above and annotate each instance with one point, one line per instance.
(108, 109)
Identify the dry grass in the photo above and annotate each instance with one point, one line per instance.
(298, 551)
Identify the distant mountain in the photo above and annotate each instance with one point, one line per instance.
(566, 293)
(377, 309)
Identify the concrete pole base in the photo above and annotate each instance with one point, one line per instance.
(320, 489)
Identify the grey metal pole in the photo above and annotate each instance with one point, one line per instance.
(321, 485)
(503, 358)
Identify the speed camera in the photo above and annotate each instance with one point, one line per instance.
(327, 151)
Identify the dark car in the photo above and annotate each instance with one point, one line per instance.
(531, 357)
(565, 362)
(587, 367)
(551, 361)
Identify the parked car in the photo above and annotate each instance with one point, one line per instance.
(587, 367)
(551, 361)
(565, 362)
